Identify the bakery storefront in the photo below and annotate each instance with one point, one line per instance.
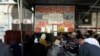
(48, 16)
(54, 18)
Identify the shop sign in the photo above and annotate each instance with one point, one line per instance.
(55, 9)
(54, 18)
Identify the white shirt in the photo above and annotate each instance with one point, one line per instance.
(92, 41)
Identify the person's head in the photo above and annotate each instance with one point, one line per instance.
(96, 36)
(78, 32)
(87, 34)
(73, 35)
(80, 40)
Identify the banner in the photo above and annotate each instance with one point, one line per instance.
(62, 16)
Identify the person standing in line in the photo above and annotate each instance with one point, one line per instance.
(28, 42)
(72, 46)
(87, 49)
(15, 49)
(91, 39)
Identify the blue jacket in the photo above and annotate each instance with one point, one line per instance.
(89, 50)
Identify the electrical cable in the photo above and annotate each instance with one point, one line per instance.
(88, 12)
(90, 9)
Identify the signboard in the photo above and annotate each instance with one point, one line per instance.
(60, 15)
(54, 18)
(54, 9)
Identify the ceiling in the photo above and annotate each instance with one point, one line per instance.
(81, 5)
(86, 5)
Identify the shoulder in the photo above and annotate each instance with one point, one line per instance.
(90, 46)
(85, 45)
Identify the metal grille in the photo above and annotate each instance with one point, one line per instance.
(26, 15)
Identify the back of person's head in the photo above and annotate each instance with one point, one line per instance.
(73, 34)
(80, 37)
(78, 31)
(90, 32)
(96, 36)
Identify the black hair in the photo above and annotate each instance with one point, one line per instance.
(96, 36)
(90, 32)
(80, 36)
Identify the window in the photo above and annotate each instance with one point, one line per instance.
(85, 18)
(25, 27)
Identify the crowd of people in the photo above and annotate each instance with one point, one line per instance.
(64, 44)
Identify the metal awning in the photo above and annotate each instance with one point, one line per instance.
(2, 13)
(4, 21)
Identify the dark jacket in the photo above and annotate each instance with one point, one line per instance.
(16, 49)
(5, 50)
(37, 50)
(89, 50)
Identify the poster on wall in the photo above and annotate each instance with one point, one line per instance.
(61, 15)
